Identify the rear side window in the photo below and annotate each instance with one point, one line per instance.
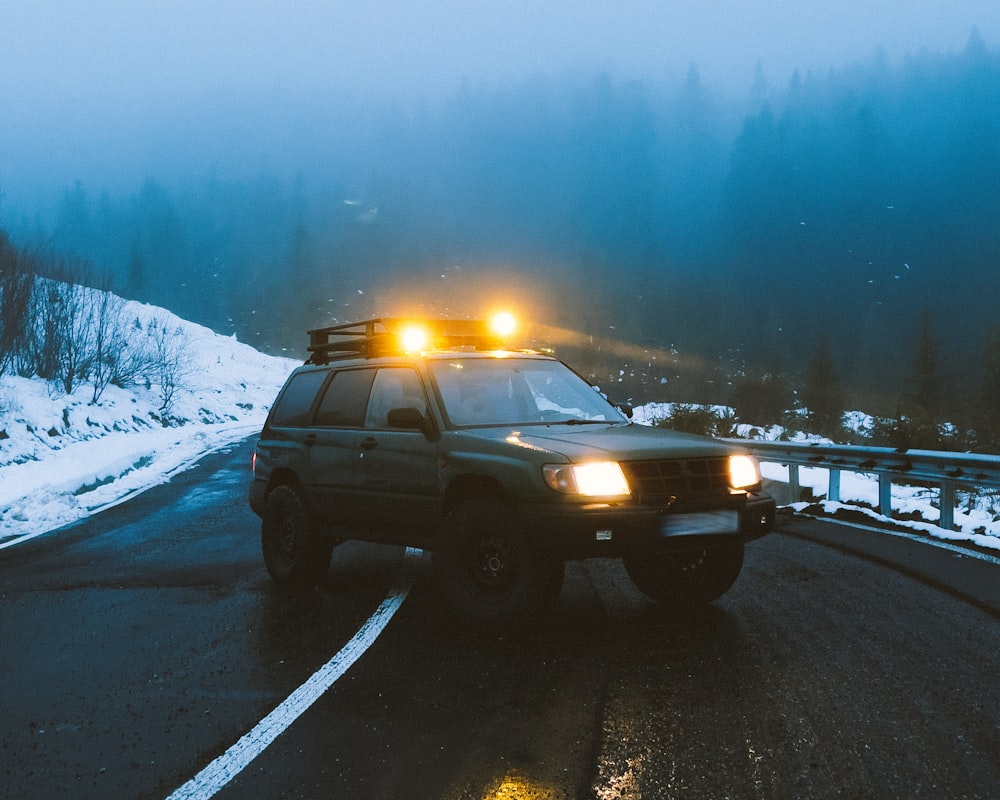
(293, 407)
(343, 403)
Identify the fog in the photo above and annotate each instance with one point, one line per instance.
(110, 92)
(698, 192)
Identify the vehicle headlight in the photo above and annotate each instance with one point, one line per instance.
(597, 479)
(743, 471)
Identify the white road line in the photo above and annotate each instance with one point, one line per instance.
(22, 538)
(227, 766)
(955, 548)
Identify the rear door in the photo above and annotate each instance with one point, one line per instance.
(333, 443)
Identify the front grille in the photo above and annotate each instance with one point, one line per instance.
(655, 482)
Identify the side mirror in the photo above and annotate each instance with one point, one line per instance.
(408, 417)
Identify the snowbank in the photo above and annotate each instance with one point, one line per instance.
(63, 457)
(977, 517)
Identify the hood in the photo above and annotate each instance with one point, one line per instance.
(615, 442)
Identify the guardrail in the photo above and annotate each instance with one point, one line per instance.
(946, 470)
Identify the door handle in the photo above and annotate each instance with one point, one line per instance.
(310, 439)
(369, 444)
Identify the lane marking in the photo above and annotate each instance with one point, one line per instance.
(227, 766)
(955, 548)
(24, 537)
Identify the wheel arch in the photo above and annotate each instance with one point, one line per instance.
(283, 477)
(471, 487)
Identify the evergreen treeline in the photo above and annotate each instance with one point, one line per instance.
(839, 238)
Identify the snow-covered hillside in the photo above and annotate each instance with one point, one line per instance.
(63, 457)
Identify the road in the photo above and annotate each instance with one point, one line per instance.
(138, 646)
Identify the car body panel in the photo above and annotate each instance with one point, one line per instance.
(371, 481)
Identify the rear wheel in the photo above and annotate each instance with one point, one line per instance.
(295, 555)
(486, 571)
(686, 577)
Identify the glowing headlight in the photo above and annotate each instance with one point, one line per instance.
(743, 471)
(599, 479)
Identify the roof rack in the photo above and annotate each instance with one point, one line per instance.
(381, 336)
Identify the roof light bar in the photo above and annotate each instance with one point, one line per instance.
(385, 335)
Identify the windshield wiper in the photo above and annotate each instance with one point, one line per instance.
(585, 422)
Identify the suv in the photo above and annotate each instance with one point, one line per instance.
(503, 463)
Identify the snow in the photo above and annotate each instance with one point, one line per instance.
(977, 518)
(64, 457)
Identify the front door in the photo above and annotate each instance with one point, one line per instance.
(398, 468)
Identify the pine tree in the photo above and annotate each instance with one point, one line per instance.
(987, 402)
(136, 280)
(921, 408)
(926, 379)
(761, 398)
(823, 396)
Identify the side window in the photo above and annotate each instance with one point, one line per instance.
(293, 408)
(394, 387)
(343, 404)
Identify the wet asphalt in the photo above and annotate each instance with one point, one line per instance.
(139, 645)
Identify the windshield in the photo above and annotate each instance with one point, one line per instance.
(518, 391)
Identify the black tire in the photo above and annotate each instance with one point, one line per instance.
(686, 577)
(295, 555)
(485, 571)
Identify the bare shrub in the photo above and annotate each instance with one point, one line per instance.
(57, 324)
(57, 338)
(44, 342)
(109, 341)
(16, 279)
(59, 347)
(169, 359)
(75, 335)
(132, 362)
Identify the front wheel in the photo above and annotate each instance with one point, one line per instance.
(486, 571)
(686, 577)
(295, 555)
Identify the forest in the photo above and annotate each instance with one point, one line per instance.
(830, 244)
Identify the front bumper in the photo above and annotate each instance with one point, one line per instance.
(585, 531)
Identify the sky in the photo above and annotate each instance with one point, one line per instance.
(87, 87)
(112, 48)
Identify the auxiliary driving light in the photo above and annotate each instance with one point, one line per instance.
(414, 339)
(503, 323)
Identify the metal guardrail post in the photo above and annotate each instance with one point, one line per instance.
(833, 492)
(947, 503)
(793, 481)
(885, 494)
